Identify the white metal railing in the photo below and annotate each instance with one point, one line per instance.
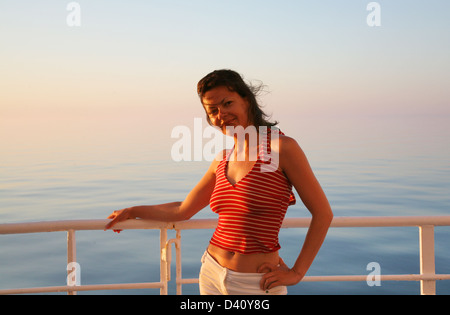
(426, 224)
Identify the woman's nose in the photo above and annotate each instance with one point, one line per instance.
(222, 113)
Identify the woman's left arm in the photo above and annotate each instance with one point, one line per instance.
(296, 167)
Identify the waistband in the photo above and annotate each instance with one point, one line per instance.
(208, 258)
(233, 282)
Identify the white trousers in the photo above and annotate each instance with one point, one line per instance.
(217, 280)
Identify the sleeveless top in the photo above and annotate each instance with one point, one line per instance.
(251, 211)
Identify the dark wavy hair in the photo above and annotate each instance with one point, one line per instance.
(235, 83)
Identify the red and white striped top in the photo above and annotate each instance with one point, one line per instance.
(251, 211)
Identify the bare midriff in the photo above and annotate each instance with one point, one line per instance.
(248, 263)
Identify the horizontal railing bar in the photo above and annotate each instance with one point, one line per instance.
(157, 285)
(187, 281)
(93, 287)
(196, 224)
(79, 225)
(410, 277)
(389, 221)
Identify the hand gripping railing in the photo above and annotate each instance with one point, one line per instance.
(426, 224)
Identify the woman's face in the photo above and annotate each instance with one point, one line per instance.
(226, 108)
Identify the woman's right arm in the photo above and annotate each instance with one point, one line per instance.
(196, 200)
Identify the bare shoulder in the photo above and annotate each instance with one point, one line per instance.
(285, 145)
(291, 154)
(288, 143)
(219, 157)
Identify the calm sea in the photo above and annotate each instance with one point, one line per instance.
(371, 166)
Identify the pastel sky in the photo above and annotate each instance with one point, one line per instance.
(144, 57)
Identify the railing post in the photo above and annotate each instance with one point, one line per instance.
(163, 262)
(427, 263)
(71, 255)
(178, 261)
(166, 255)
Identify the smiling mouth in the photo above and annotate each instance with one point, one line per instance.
(228, 122)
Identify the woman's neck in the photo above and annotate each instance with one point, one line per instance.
(246, 147)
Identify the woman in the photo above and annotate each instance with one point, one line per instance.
(251, 196)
